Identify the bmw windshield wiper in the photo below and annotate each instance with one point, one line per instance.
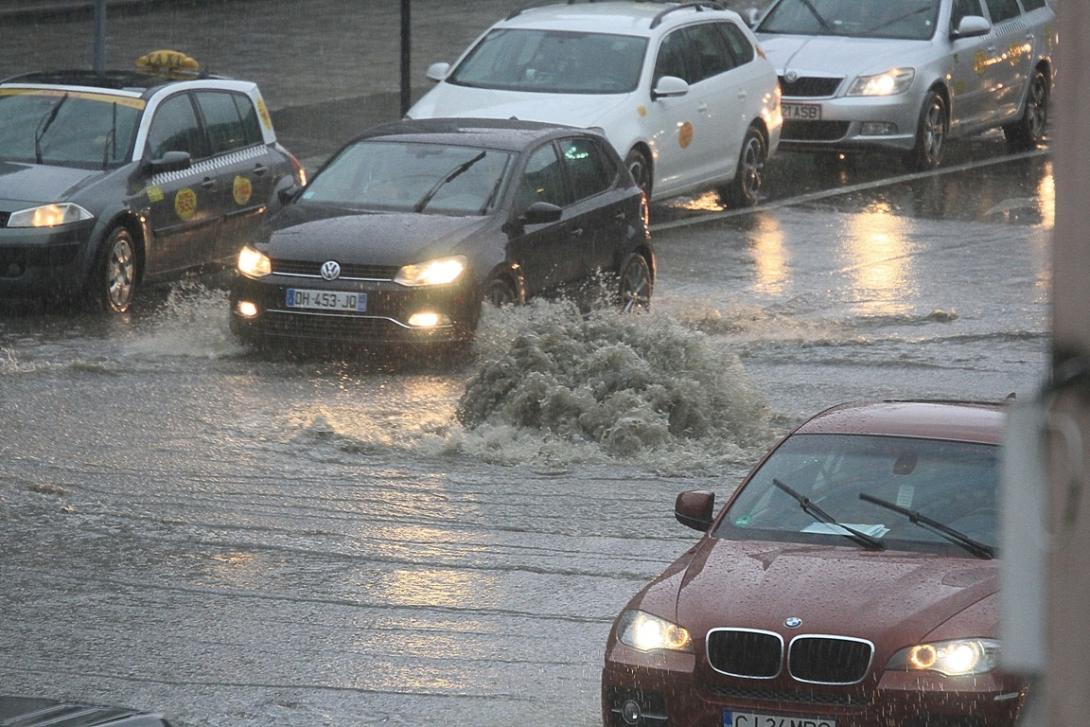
(977, 548)
(810, 508)
(452, 174)
(43, 126)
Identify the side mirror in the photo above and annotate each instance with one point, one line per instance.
(540, 213)
(669, 86)
(172, 161)
(287, 194)
(438, 71)
(972, 26)
(752, 16)
(693, 509)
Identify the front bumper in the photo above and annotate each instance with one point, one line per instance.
(43, 262)
(672, 692)
(385, 320)
(841, 127)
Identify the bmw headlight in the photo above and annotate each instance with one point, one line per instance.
(49, 215)
(646, 632)
(890, 83)
(440, 271)
(959, 657)
(253, 263)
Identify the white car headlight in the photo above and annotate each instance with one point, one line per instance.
(890, 83)
(646, 632)
(49, 215)
(959, 657)
(440, 271)
(253, 263)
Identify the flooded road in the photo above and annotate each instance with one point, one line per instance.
(229, 539)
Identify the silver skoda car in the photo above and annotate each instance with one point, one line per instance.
(905, 75)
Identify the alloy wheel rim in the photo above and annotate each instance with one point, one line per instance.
(1036, 115)
(638, 170)
(934, 131)
(120, 274)
(634, 288)
(752, 169)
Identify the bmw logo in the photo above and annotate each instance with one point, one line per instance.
(792, 622)
(791, 76)
(331, 270)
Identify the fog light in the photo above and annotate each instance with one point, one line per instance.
(630, 712)
(246, 309)
(878, 128)
(427, 319)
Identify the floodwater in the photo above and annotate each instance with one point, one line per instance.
(231, 539)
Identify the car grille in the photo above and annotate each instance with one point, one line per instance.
(809, 86)
(814, 130)
(794, 696)
(314, 269)
(829, 659)
(744, 653)
(341, 327)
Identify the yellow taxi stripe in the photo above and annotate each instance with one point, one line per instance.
(132, 103)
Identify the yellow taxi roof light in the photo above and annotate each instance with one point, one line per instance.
(168, 61)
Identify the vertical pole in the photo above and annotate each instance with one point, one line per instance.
(406, 57)
(100, 36)
(1067, 689)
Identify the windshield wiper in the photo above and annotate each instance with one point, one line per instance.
(977, 548)
(111, 140)
(820, 18)
(452, 174)
(43, 126)
(898, 19)
(810, 508)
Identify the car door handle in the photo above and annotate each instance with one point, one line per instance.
(260, 169)
(742, 94)
(702, 108)
(990, 49)
(1029, 37)
(209, 183)
(577, 232)
(620, 217)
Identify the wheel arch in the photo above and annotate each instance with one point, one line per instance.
(510, 272)
(132, 222)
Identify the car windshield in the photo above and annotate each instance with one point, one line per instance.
(411, 177)
(67, 128)
(906, 19)
(954, 483)
(551, 61)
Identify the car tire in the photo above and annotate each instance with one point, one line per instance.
(500, 292)
(931, 129)
(639, 166)
(745, 189)
(1029, 131)
(112, 285)
(635, 284)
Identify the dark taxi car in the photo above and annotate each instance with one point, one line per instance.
(408, 228)
(110, 180)
(850, 581)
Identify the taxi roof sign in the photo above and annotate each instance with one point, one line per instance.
(168, 61)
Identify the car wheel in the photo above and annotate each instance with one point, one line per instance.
(745, 189)
(1028, 131)
(113, 282)
(635, 285)
(639, 167)
(500, 292)
(931, 130)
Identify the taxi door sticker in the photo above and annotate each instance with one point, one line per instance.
(263, 112)
(155, 194)
(242, 190)
(185, 203)
(685, 135)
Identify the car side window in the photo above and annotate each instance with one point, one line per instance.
(963, 9)
(226, 130)
(671, 60)
(709, 55)
(1001, 10)
(587, 171)
(542, 180)
(739, 44)
(1029, 5)
(175, 128)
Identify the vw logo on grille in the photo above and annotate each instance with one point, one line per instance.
(791, 76)
(792, 622)
(331, 270)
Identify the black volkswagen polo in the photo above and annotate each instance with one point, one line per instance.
(408, 228)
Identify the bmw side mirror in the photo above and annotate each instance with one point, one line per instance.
(540, 213)
(438, 71)
(172, 161)
(693, 509)
(668, 87)
(972, 26)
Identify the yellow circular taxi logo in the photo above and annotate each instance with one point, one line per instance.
(185, 203)
(242, 190)
(685, 135)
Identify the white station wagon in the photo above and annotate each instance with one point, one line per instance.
(682, 91)
(903, 75)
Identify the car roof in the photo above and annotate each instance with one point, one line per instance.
(112, 80)
(504, 134)
(960, 421)
(619, 17)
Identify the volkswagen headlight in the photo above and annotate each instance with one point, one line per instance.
(646, 632)
(253, 263)
(440, 271)
(49, 215)
(959, 657)
(890, 83)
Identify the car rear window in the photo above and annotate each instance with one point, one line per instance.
(227, 128)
